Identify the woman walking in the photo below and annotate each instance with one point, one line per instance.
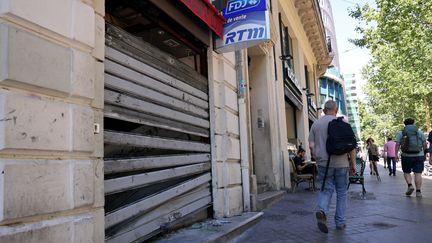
(373, 156)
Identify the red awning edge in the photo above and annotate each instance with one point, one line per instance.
(207, 13)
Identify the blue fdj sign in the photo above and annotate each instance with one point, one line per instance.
(235, 6)
(246, 25)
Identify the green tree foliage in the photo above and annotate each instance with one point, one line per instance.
(376, 126)
(399, 35)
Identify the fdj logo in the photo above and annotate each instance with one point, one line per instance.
(237, 5)
(245, 34)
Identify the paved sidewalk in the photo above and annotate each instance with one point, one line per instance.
(386, 215)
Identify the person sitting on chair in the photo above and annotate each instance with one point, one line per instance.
(301, 166)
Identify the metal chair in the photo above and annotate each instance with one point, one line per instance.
(299, 178)
(358, 178)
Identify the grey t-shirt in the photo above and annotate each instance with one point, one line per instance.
(317, 141)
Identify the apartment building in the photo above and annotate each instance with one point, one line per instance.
(332, 84)
(122, 118)
(352, 100)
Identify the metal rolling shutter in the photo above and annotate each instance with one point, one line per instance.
(156, 138)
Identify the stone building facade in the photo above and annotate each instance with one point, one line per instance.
(94, 111)
(51, 78)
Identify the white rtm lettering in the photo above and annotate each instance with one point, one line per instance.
(246, 34)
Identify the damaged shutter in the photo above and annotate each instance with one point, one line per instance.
(156, 138)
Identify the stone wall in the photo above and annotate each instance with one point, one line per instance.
(51, 101)
(227, 187)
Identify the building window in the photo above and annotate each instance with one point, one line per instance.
(331, 88)
(323, 86)
(219, 4)
(322, 100)
(307, 78)
(287, 50)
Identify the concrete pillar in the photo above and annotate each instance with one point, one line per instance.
(279, 87)
(303, 115)
(226, 173)
(267, 159)
(51, 100)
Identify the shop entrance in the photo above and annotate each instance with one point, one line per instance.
(156, 123)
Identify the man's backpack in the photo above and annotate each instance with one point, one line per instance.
(410, 142)
(341, 138)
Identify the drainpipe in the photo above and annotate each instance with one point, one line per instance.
(244, 160)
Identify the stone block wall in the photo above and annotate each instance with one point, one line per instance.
(51, 100)
(228, 198)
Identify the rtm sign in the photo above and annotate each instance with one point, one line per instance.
(244, 35)
(246, 25)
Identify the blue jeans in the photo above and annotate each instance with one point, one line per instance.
(337, 178)
(391, 161)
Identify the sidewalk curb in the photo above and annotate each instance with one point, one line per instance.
(266, 199)
(214, 230)
(238, 229)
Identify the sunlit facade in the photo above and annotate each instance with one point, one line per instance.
(331, 88)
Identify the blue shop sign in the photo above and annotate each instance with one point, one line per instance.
(246, 25)
(236, 7)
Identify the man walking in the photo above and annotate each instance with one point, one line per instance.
(390, 152)
(412, 143)
(337, 175)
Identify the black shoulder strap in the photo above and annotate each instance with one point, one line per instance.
(325, 173)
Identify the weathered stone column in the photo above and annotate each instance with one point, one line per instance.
(51, 101)
(226, 173)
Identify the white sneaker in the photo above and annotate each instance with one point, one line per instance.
(418, 194)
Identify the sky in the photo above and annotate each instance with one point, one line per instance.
(351, 58)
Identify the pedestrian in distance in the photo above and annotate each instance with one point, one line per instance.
(360, 154)
(390, 152)
(333, 169)
(384, 156)
(301, 166)
(373, 156)
(412, 142)
(430, 147)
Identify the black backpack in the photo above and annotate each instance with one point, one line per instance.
(341, 138)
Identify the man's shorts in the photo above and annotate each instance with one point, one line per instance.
(412, 164)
